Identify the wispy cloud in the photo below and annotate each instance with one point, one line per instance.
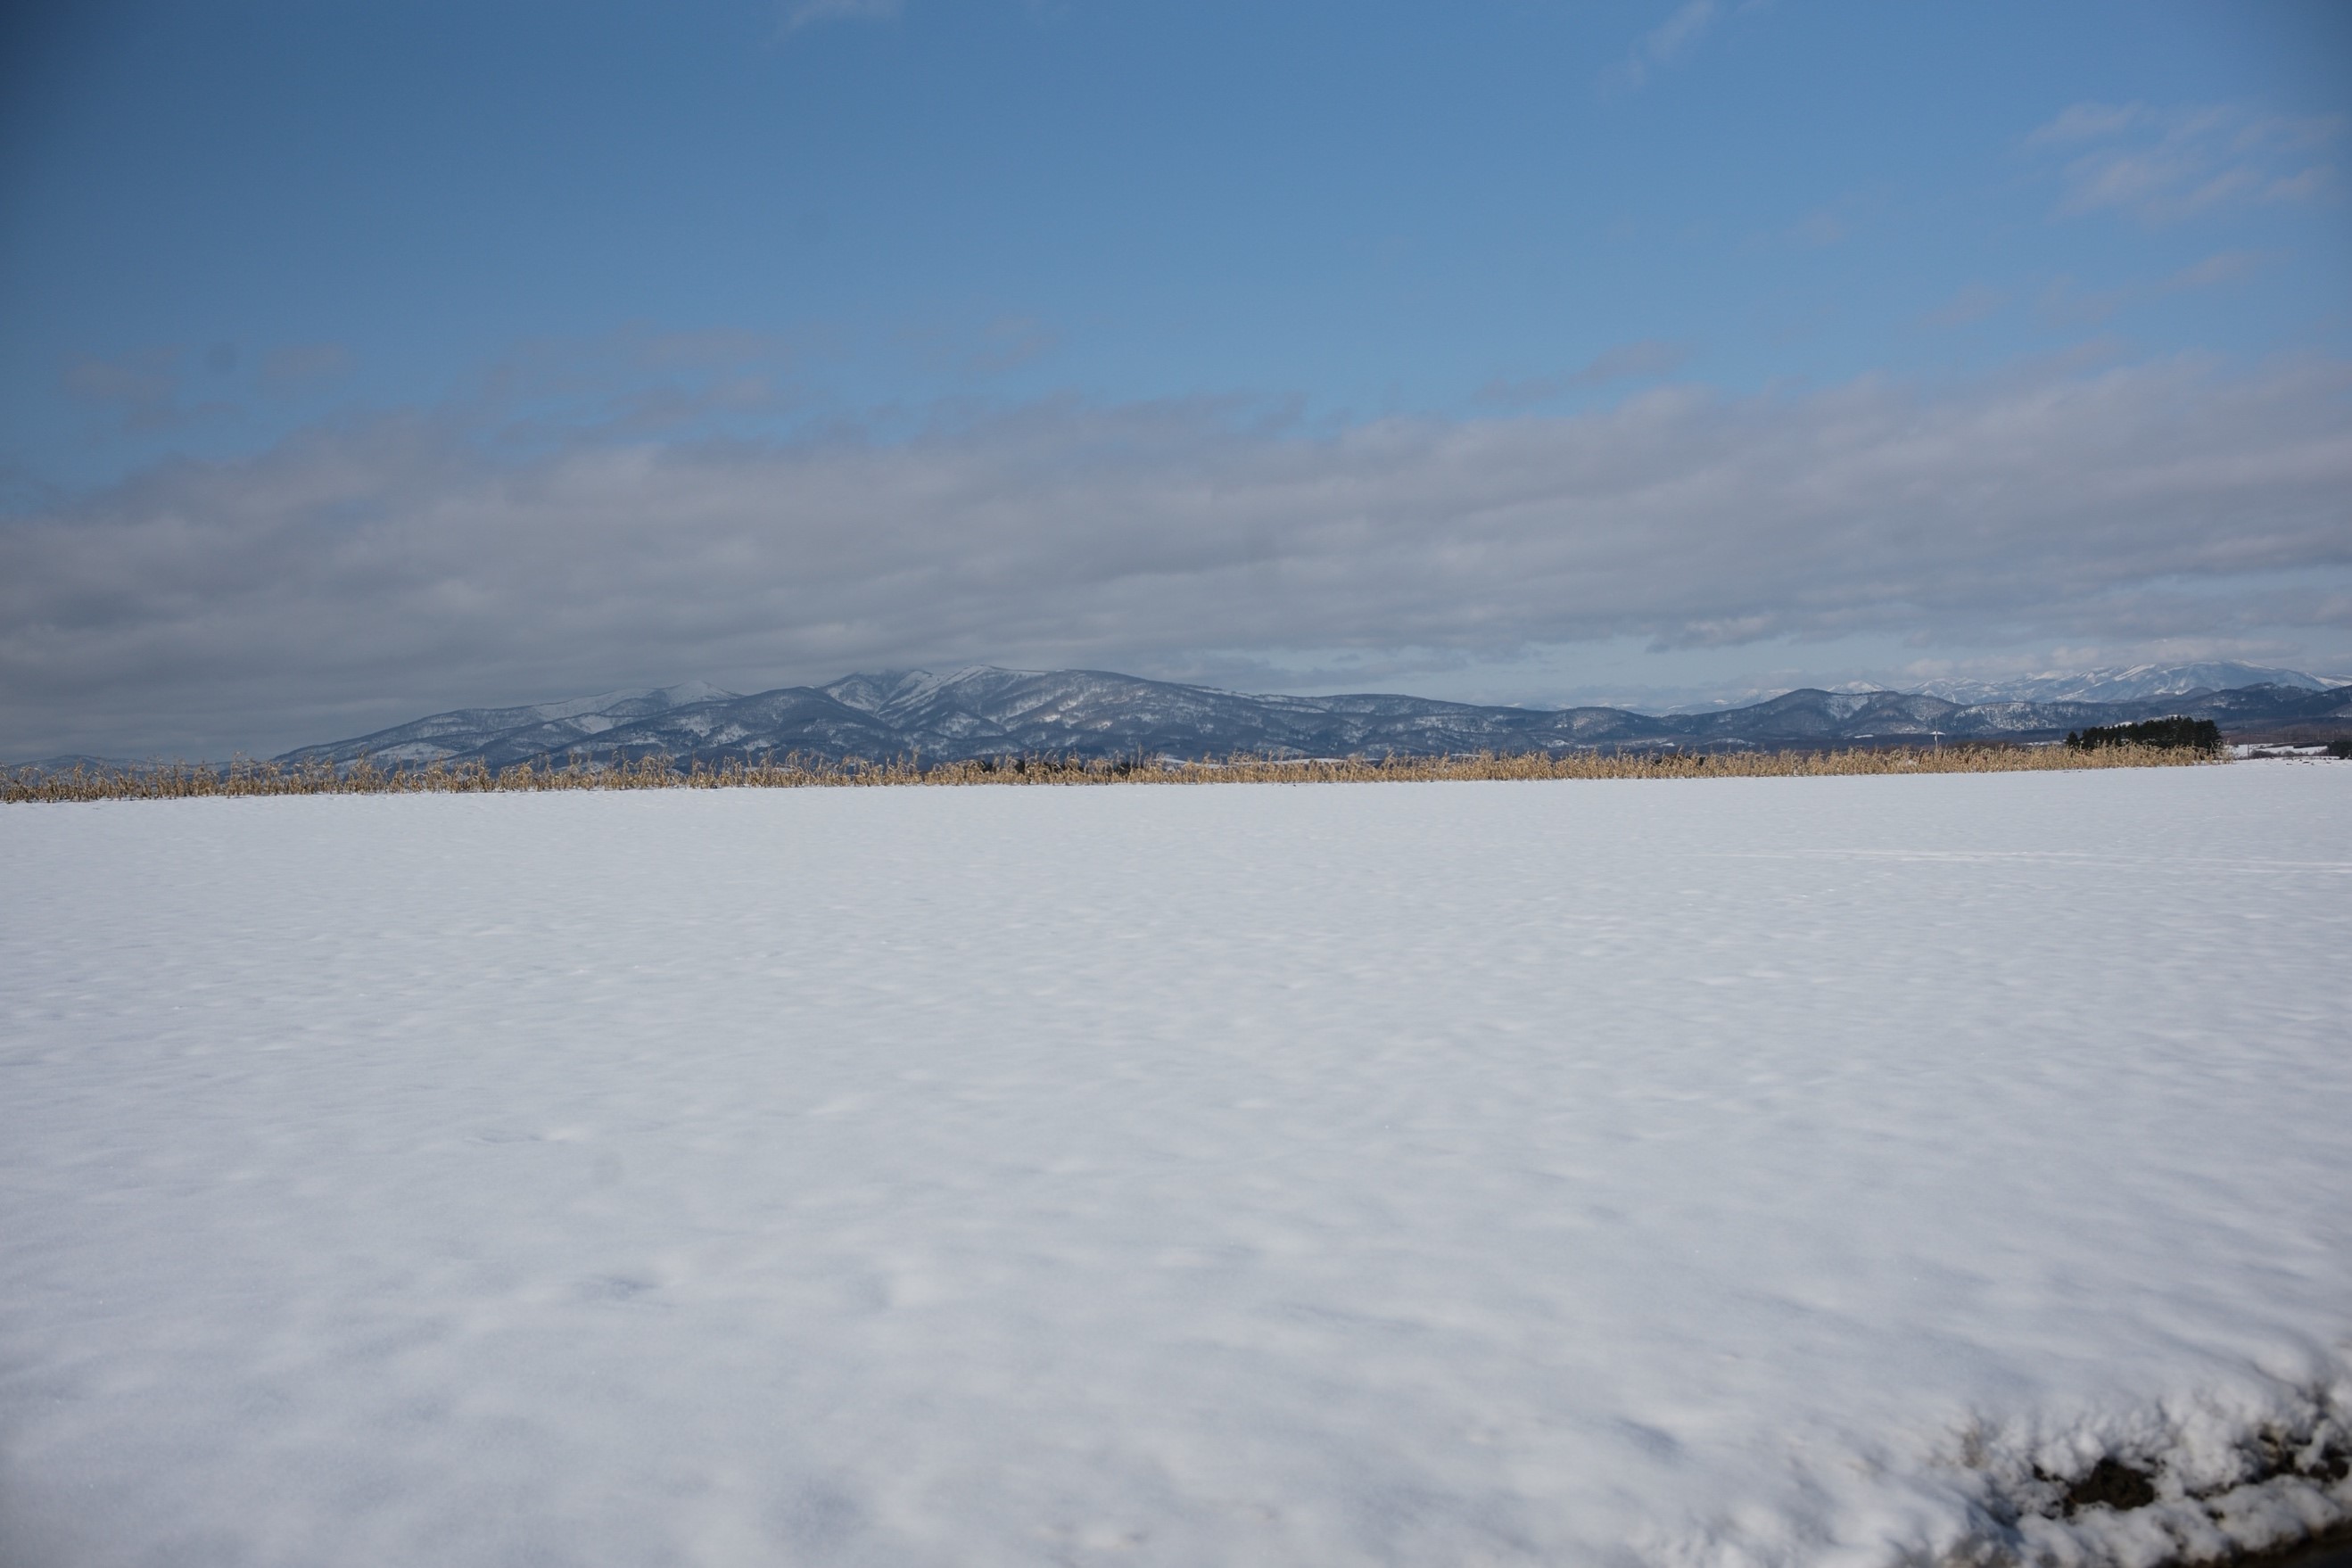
(1820, 229)
(2221, 266)
(991, 348)
(302, 367)
(637, 379)
(1623, 361)
(2064, 304)
(142, 391)
(139, 384)
(1832, 223)
(1680, 31)
(1669, 41)
(1972, 303)
(403, 559)
(2169, 165)
(2089, 123)
(1011, 341)
(1626, 362)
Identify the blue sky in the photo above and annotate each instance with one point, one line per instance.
(361, 360)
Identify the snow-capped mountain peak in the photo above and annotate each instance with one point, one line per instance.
(2139, 683)
(980, 710)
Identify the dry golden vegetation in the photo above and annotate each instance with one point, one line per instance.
(179, 780)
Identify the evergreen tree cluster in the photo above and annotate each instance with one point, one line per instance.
(2175, 732)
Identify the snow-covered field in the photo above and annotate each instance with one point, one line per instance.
(1743, 1172)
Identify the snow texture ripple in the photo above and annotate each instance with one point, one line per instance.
(1760, 1172)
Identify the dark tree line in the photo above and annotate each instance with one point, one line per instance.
(2175, 732)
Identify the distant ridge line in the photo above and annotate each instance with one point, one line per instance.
(981, 711)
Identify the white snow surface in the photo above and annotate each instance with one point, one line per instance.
(1740, 1171)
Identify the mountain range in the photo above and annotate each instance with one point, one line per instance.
(2137, 684)
(983, 711)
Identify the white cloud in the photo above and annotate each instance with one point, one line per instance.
(2165, 166)
(373, 571)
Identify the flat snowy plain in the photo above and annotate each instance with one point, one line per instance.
(1749, 1172)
